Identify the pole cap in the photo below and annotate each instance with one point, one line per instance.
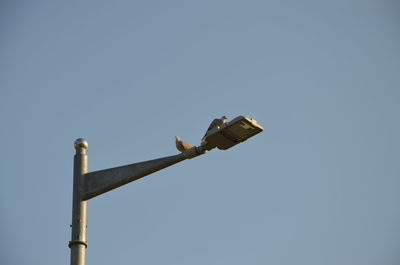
(81, 143)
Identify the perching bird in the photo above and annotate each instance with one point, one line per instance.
(216, 123)
(181, 145)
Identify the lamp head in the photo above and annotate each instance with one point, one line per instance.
(236, 131)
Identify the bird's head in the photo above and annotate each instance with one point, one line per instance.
(177, 138)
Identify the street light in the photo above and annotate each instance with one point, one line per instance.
(88, 185)
(236, 131)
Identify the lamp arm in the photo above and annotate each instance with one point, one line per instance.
(99, 182)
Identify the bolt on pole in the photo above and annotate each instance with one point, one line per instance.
(78, 242)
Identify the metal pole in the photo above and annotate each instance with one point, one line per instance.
(78, 242)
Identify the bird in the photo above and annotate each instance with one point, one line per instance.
(182, 145)
(216, 123)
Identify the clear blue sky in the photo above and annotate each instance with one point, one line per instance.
(319, 186)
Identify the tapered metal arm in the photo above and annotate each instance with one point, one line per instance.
(99, 182)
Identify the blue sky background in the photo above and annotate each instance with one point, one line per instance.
(319, 186)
